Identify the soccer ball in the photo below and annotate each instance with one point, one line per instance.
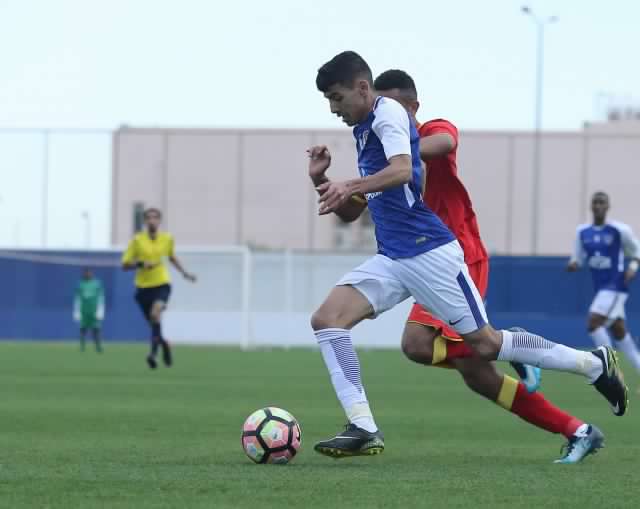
(271, 435)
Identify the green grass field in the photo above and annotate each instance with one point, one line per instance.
(82, 430)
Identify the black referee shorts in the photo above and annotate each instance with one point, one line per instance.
(145, 297)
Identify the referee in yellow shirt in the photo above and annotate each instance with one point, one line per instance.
(145, 254)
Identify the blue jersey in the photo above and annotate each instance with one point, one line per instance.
(603, 249)
(404, 226)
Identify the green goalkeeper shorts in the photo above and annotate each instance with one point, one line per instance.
(89, 321)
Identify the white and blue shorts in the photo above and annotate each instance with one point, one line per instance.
(609, 303)
(438, 280)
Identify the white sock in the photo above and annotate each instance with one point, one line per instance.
(628, 346)
(342, 362)
(537, 351)
(600, 337)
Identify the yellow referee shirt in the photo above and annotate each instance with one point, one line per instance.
(143, 248)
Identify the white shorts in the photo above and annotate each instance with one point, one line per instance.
(438, 280)
(609, 303)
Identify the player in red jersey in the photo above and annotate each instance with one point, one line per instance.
(427, 340)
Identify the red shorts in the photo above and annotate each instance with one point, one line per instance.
(479, 272)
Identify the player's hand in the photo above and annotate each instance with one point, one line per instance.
(333, 195)
(629, 274)
(190, 277)
(572, 267)
(319, 161)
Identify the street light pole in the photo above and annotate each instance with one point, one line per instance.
(45, 189)
(540, 24)
(87, 229)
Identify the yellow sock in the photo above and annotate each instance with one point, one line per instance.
(507, 392)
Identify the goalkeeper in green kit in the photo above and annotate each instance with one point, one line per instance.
(88, 308)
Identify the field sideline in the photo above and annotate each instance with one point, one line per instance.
(79, 430)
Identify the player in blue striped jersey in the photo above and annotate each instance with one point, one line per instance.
(417, 257)
(604, 247)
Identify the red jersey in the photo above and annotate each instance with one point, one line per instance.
(446, 195)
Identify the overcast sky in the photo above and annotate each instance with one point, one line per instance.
(99, 63)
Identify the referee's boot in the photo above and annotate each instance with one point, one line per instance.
(167, 358)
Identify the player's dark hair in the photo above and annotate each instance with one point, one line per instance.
(395, 78)
(343, 69)
(600, 194)
(151, 210)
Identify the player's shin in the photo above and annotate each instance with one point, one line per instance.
(156, 331)
(344, 368)
(535, 408)
(630, 349)
(96, 339)
(527, 348)
(155, 345)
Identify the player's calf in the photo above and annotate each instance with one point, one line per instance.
(618, 330)
(480, 376)
(625, 343)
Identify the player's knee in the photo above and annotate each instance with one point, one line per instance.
(485, 342)
(417, 344)
(156, 311)
(618, 330)
(328, 319)
(595, 322)
(318, 320)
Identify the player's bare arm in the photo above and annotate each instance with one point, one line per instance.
(179, 267)
(436, 145)
(334, 195)
(632, 270)
(577, 256)
(631, 246)
(319, 162)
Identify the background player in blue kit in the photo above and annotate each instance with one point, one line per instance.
(603, 246)
(417, 256)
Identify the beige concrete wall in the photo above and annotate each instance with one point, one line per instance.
(198, 180)
(250, 186)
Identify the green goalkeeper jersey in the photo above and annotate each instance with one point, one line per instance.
(89, 296)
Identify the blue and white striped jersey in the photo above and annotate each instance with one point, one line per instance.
(404, 225)
(603, 249)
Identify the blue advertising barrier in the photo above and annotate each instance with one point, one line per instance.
(36, 298)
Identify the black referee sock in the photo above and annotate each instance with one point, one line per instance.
(156, 331)
(156, 337)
